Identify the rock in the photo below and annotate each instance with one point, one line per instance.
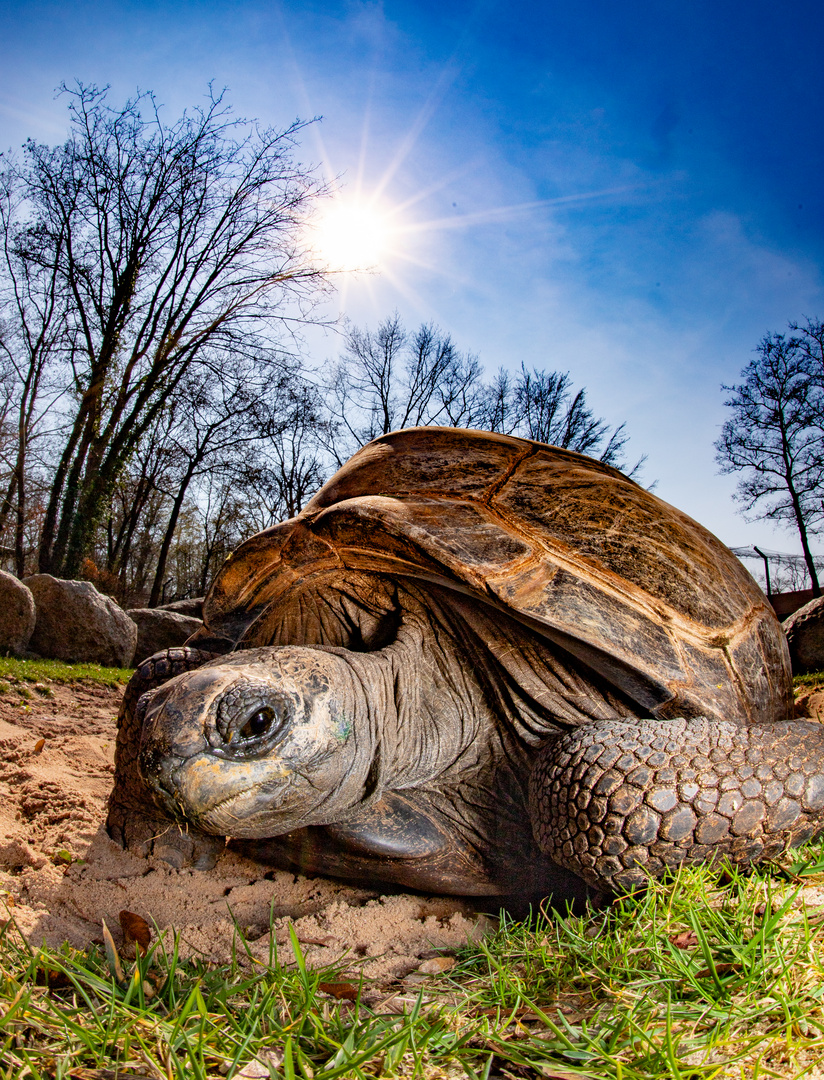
(78, 624)
(193, 607)
(805, 636)
(159, 628)
(17, 615)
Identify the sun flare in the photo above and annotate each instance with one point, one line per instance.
(352, 235)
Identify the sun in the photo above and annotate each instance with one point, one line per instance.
(352, 234)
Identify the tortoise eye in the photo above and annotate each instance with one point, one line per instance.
(259, 723)
(250, 718)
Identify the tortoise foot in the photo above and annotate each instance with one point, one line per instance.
(180, 849)
(145, 834)
(618, 802)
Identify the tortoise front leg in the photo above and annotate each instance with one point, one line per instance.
(617, 801)
(134, 819)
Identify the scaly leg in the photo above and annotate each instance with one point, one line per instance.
(618, 801)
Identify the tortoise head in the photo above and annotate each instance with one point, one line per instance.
(259, 743)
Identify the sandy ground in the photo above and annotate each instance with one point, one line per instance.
(60, 875)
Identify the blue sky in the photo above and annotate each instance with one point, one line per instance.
(631, 192)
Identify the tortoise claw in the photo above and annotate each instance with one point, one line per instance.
(182, 849)
(144, 834)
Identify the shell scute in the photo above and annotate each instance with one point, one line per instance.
(604, 518)
(456, 536)
(411, 462)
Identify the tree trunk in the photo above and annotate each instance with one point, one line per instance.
(19, 535)
(62, 499)
(798, 510)
(160, 573)
(7, 502)
(121, 548)
(20, 522)
(808, 557)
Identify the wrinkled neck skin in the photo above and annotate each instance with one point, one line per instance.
(343, 727)
(426, 711)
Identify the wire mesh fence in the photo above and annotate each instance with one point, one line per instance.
(778, 571)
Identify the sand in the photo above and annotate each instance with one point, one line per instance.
(61, 875)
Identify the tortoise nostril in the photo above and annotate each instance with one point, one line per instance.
(157, 765)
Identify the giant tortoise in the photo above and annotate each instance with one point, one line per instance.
(474, 664)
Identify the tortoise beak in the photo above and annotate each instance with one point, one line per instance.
(186, 777)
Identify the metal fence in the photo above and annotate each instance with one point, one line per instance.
(776, 561)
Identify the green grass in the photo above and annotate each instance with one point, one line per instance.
(13, 670)
(693, 978)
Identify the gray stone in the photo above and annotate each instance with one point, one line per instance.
(805, 637)
(17, 615)
(159, 628)
(192, 607)
(78, 624)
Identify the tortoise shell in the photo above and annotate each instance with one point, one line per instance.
(571, 548)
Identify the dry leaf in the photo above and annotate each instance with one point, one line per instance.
(343, 991)
(112, 954)
(261, 1065)
(108, 1074)
(254, 1070)
(437, 966)
(557, 1072)
(38, 746)
(687, 939)
(720, 969)
(136, 929)
(55, 980)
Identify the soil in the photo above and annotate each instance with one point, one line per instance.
(61, 875)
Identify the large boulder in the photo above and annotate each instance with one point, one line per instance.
(160, 629)
(192, 606)
(78, 624)
(17, 615)
(805, 636)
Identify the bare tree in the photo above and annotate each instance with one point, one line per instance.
(774, 438)
(389, 379)
(214, 420)
(168, 242)
(136, 510)
(289, 464)
(544, 406)
(33, 342)
(221, 512)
